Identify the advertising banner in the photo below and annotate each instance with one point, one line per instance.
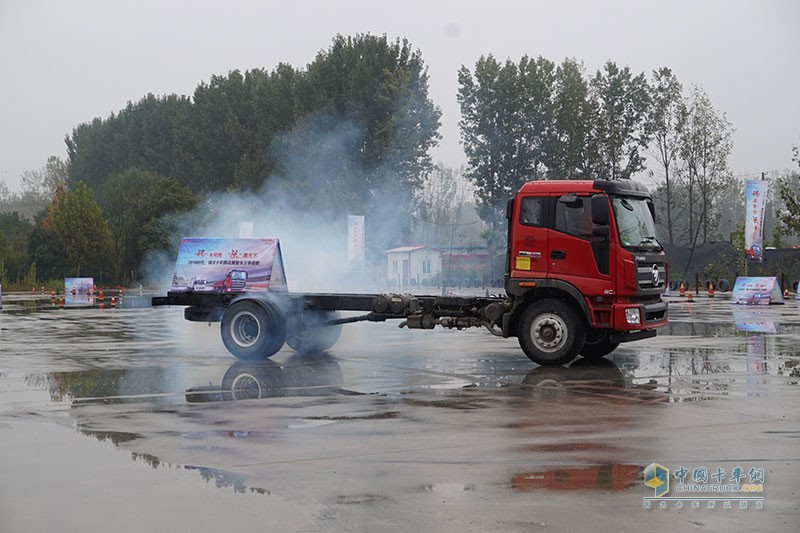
(755, 203)
(355, 239)
(78, 290)
(229, 266)
(756, 291)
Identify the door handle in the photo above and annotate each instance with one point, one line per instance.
(558, 254)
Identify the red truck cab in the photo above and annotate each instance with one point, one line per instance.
(592, 246)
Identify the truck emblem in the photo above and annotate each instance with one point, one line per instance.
(656, 276)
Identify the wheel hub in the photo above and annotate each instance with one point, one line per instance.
(245, 329)
(549, 333)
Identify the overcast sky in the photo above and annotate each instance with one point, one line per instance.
(66, 62)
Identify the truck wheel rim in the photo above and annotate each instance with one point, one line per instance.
(549, 332)
(245, 329)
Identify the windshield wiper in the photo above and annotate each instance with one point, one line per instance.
(649, 241)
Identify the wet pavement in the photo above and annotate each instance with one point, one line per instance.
(129, 418)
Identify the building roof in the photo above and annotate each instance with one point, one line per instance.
(407, 249)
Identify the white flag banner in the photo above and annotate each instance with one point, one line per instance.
(756, 202)
(355, 239)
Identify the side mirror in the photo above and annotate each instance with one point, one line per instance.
(600, 210)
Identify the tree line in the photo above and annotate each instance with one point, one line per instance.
(351, 133)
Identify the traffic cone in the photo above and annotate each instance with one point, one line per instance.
(786, 293)
(691, 299)
(710, 289)
(113, 301)
(682, 289)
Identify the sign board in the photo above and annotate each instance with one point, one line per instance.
(355, 239)
(229, 266)
(756, 291)
(78, 290)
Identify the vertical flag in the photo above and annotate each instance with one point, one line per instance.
(355, 239)
(756, 201)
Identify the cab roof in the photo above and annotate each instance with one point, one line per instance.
(617, 187)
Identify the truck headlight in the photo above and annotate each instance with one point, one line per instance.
(633, 316)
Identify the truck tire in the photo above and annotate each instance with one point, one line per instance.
(597, 345)
(551, 332)
(305, 335)
(253, 329)
(248, 380)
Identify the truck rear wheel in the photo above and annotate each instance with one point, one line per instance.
(550, 332)
(597, 344)
(253, 329)
(307, 335)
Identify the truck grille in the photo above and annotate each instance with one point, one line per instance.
(651, 275)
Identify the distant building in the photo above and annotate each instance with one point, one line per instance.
(412, 266)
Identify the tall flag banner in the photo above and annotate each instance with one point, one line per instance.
(355, 239)
(755, 201)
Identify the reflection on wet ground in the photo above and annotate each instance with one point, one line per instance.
(390, 420)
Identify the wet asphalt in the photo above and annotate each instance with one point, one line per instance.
(129, 418)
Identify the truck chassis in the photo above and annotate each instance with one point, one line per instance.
(257, 325)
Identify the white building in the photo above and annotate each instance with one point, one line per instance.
(413, 266)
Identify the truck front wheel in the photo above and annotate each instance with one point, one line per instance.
(253, 330)
(550, 332)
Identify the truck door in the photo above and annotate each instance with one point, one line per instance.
(529, 250)
(575, 254)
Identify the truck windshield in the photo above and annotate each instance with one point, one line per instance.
(635, 224)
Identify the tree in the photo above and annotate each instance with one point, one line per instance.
(705, 145)
(443, 194)
(789, 188)
(505, 111)
(667, 119)
(566, 150)
(14, 233)
(131, 201)
(77, 222)
(621, 103)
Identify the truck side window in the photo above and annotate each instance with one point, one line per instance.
(531, 212)
(575, 218)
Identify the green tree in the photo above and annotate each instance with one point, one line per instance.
(131, 200)
(14, 234)
(77, 222)
(789, 188)
(620, 134)
(667, 118)
(505, 110)
(152, 133)
(705, 145)
(566, 152)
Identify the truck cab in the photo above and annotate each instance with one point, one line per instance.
(591, 247)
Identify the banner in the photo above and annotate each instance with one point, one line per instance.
(757, 291)
(229, 266)
(355, 239)
(78, 290)
(755, 202)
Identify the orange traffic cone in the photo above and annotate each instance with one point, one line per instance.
(710, 289)
(682, 289)
(786, 293)
(691, 299)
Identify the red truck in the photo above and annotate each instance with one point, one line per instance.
(234, 281)
(584, 273)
